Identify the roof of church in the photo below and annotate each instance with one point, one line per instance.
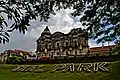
(46, 29)
(73, 32)
(58, 33)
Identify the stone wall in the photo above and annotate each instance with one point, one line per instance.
(58, 43)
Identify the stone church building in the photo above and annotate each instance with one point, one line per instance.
(60, 44)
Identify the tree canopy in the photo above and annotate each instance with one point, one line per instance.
(97, 15)
(22, 11)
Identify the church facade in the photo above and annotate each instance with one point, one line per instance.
(75, 43)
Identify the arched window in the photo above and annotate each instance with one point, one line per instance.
(57, 53)
(49, 46)
(57, 45)
(66, 52)
(46, 45)
(75, 42)
(75, 52)
(66, 44)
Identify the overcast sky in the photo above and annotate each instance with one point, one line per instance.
(62, 22)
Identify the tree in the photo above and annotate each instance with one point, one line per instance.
(22, 11)
(103, 20)
(101, 14)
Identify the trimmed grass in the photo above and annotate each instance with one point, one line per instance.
(7, 74)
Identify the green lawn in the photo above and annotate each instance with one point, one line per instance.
(7, 74)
